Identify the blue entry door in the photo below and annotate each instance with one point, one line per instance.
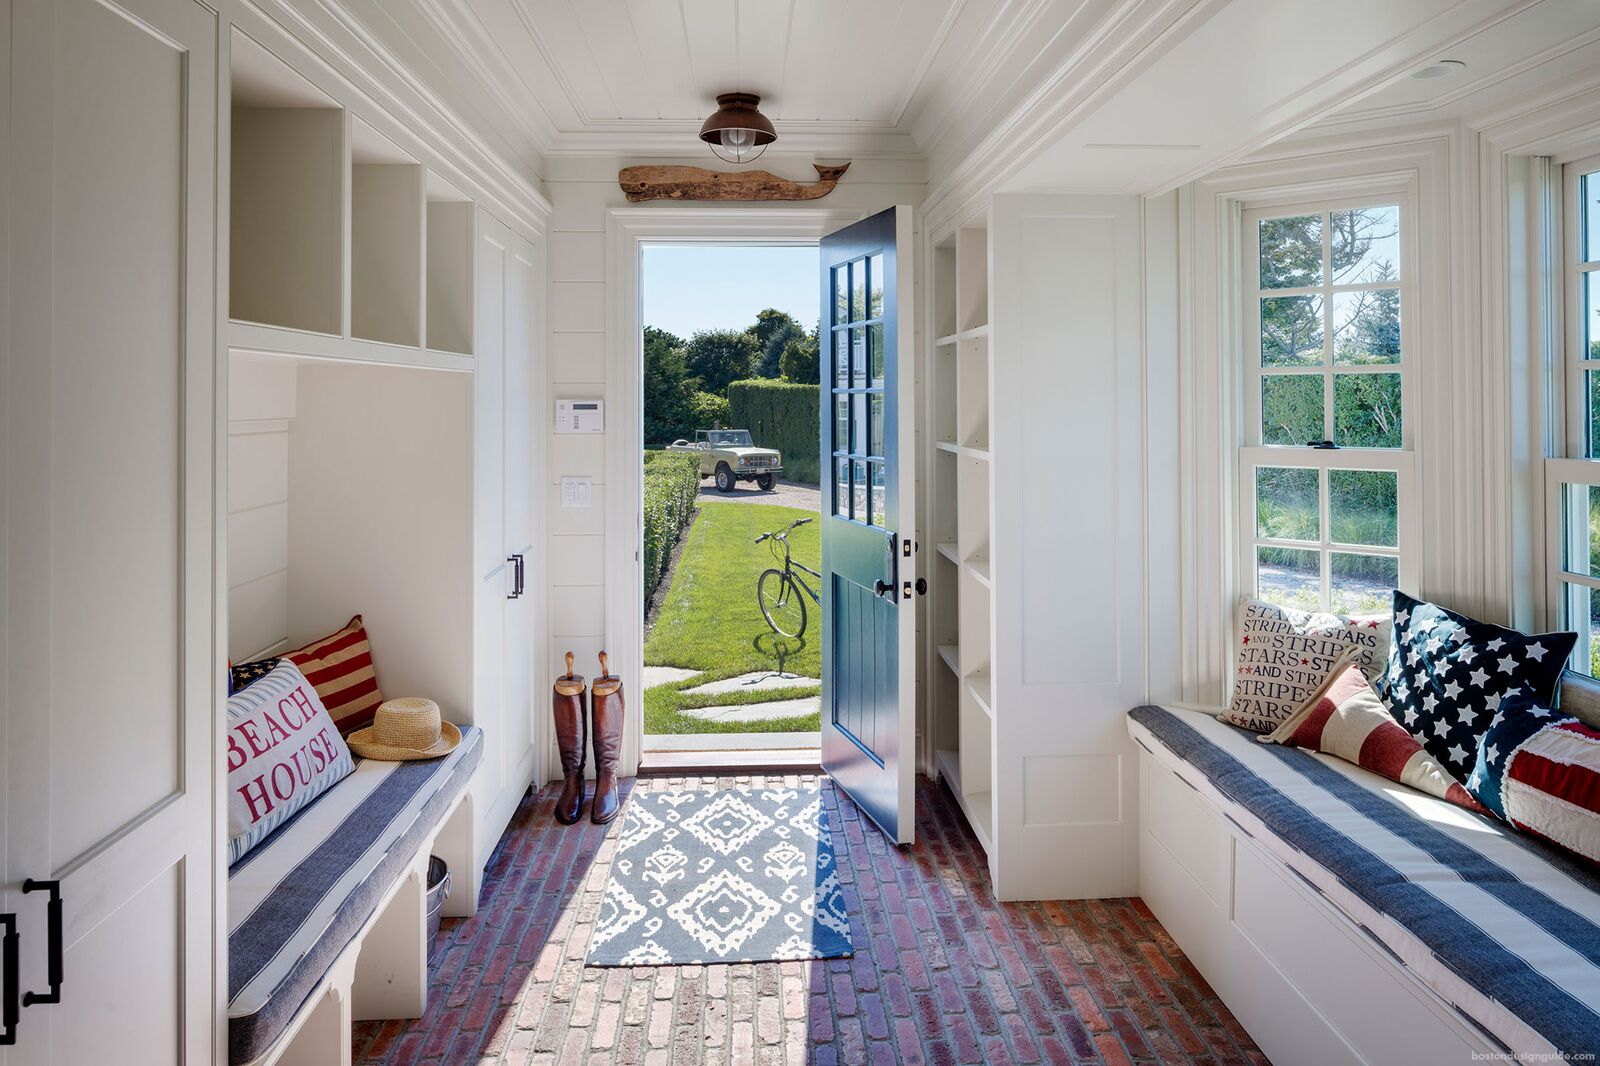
(868, 555)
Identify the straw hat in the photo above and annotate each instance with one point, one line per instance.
(405, 729)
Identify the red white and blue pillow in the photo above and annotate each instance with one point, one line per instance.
(1448, 674)
(283, 751)
(242, 675)
(1540, 771)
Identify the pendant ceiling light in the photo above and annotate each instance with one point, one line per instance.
(737, 131)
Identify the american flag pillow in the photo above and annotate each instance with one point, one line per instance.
(339, 667)
(1347, 719)
(1540, 771)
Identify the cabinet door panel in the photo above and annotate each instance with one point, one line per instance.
(110, 522)
(490, 380)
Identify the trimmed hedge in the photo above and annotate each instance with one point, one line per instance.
(781, 415)
(671, 483)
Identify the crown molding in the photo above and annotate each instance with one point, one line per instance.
(365, 67)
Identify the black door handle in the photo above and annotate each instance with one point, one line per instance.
(881, 587)
(52, 948)
(9, 977)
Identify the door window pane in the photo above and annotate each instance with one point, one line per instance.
(875, 355)
(1363, 507)
(874, 444)
(841, 487)
(1290, 576)
(1287, 506)
(1291, 330)
(875, 286)
(1366, 327)
(1291, 408)
(858, 358)
(1366, 410)
(880, 495)
(858, 496)
(1291, 251)
(1591, 315)
(1364, 245)
(841, 422)
(841, 293)
(858, 290)
(841, 359)
(859, 444)
(1361, 584)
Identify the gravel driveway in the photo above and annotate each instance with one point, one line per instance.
(783, 494)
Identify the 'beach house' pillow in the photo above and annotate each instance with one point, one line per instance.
(1285, 655)
(1447, 675)
(1540, 771)
(283, 752)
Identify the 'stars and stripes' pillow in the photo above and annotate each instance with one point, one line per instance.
(340, 667)
(1540, 771)
(1348, 720)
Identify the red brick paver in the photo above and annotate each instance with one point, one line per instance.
(943, 973)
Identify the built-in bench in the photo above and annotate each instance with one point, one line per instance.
(1346, 918)
(327, 915)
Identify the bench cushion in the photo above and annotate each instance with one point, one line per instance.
(1500, 925)
(298, 899)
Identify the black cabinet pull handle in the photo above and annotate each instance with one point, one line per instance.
(9, 977)
(522, 574)
(519, 576)
(53, 948)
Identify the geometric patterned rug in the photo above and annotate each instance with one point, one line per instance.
(732, 875)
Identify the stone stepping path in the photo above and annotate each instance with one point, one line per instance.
(666, 675)
(761, 681)
(756, 712)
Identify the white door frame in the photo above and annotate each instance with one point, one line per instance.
(628, 229)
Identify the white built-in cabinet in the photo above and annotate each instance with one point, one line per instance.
(381, 338)
(109, 678)
(1036, 624)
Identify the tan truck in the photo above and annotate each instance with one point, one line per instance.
(730, 456)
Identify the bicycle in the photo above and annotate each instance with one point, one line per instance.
(778, 590)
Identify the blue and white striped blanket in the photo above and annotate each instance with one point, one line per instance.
(1498, 924)
(299, 897)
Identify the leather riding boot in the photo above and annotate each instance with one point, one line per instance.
(605, 704)
(571, 724)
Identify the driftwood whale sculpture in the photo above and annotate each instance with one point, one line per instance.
(698, 183)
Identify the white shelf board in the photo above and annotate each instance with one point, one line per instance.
(975, 333)
(979, 568)
(947, 340)
(961, 449)
(949, 766)
(951, 654)
(277, 340)
(982, 692)
(947, 549)
(979, 809)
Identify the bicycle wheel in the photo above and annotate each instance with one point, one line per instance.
(782, 603)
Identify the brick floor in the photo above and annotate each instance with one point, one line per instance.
(942, 972)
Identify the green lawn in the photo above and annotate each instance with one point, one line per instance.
(711, 621)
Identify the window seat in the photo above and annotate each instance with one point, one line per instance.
(1408, 929)
(326, 915)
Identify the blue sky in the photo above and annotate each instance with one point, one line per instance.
(689, 287)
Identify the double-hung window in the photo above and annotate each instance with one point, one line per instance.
(1325, 463)
(1572, 476)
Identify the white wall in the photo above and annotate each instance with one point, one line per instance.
(582, 192)
(261, 407)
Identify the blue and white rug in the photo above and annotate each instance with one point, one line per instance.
(732, 875)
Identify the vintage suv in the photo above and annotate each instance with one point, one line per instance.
(730, 456)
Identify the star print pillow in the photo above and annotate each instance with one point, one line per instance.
(1448, 674)
(1285, 655)
(1540, 771)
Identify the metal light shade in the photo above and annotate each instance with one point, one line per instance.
(737, 131)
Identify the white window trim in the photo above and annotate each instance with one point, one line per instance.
(1252, 454)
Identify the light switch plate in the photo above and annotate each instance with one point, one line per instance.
(577, 491)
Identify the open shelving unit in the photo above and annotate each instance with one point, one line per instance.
(960, 510)
(342, 245)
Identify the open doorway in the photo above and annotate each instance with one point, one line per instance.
(731, 426)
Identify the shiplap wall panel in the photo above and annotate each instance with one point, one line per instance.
(261, 407)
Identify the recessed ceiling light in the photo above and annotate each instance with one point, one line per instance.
(1442, 69)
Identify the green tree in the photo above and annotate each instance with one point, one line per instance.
(709, 410)
(801, 362)
(773, 331)
(718, 356)
(668, 388)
